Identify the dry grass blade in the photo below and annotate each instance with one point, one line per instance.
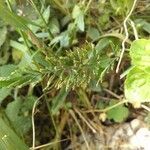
(127, 35)
(82, 117)
(78, 124)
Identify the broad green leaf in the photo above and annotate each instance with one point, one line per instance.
(9, 139)
(93, 33)
(80, 22)
(146, 27)
(64, 40)
(26, 56)
(102, 43)
(137, 85)
(54, 26)
(46, 14)
(78, 15)
(58, 101)
(18, 112)
(119, 113)
(140, 53)
(76, 12)
(19, 46)
(39, 21)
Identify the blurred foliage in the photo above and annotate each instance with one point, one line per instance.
(138, 79)
(66, 52)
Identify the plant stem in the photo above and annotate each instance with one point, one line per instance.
(83, 97)
(108, 108)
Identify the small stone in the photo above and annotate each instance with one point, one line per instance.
(135, 124)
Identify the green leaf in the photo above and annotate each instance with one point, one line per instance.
(39, 21)
(102, 43)
(146, 27)
(54, 26)
(19, 80)
(9, 82)
(9, 139)
(26, 60)
(93, 86)
(46, 14)
(119, 113)
(58, 101)
(93, 33)
(7, 70)
(76, 12)
(64, 40)
(140, 53)
(137, 85)
(80, 22)
(18, 113)
(78, 15)
(40, 59)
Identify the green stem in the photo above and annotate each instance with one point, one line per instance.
(109, 108)
(83, 97)
(49, 110)
(50, 114)
(9, 5)
(115, 105)
(25, 40)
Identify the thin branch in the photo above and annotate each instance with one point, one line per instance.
(126, 35)
(112, 93)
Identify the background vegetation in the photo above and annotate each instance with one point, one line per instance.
(63, 68)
